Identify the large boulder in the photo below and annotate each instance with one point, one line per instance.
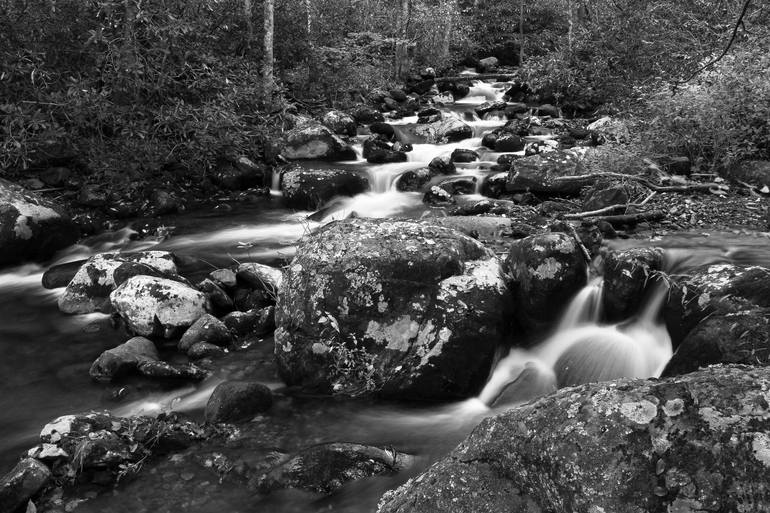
(308, 189)
(542, 174)
(340, 123)
(391, 307)
(90, 288)
(544, 271)
(315, 142)
(31, 227)
(739, 337)
(713, 290)
(447, 130)
(158, 307)
(325, 468)
(236, 173)
(699, 442)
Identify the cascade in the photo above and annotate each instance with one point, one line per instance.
(582, 350)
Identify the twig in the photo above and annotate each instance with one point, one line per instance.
(611, 208)
(645, 181)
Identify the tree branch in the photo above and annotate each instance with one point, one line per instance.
(737, 25)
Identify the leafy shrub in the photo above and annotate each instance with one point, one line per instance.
(721, 118)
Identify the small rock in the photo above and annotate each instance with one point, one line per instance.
(164, 370)
(206, 329)
(201, 350)
(234, 401)
(18, 486)
(123, 360)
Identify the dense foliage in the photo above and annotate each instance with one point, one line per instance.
(135, 86)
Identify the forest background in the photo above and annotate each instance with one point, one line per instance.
(135, 87)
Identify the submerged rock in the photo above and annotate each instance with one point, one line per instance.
(544, 272)
(327, 467)
(309, 189)
(31, 228)
(158, 307)
(391, 307)
(234, 401)
(90, 288)
(691, 443)
(18, 486)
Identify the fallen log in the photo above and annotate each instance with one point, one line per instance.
(464, 78)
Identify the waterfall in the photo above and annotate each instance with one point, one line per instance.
(581, 350)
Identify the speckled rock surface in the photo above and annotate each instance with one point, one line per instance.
(446, 130)
(539, 174)
(325, 468)
(397, 308)
(158, 307)
(315, 142)
(339, 122)
(308, 189)
(736, 337)
(90, 288)
(699, 442)
(714, 289)
(544, 271)
(31, 227)
(626, 276)
(25, 480)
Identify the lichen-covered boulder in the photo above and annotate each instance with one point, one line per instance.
(738, 337)
(699, 442)
(340, 123)
(124, 359)
(158, 307)
(90, 288)
(309, 189)
(446, 130)
(397, 308)
(541, 174)
(713, 290)
(31, 227)
(325, 468)
(544, 272)
(23, 482)
(626, 276)
(315, 142)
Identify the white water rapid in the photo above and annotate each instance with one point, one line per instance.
(581, 350)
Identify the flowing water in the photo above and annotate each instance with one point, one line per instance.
(45, 355)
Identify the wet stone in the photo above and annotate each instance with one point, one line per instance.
(234, 401)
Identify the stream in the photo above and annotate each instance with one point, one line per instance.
(46, 355)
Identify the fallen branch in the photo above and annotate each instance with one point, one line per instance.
(611, 208)
(696, 187)
(630, 219)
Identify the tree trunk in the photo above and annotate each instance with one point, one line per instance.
(521, 32)
(248, 15)
(309, 25)
(401, 64)
(268, 82)
(450, 14)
